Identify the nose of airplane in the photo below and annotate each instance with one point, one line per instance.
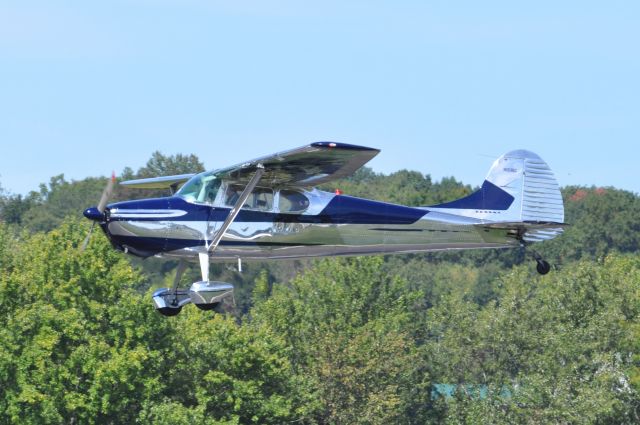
(94, 214)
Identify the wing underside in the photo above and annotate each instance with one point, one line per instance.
(306, 166)
(164, 182)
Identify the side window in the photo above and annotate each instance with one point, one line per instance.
(209, 191)
(292, 201)
(260, 199)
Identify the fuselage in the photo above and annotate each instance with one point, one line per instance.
(263, 209)
(329, 225)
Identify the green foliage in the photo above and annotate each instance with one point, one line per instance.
(321, 342)
(601, 220)
(402, 187)
(435, 277)
(14, 207)
(349, 326)
(562, 343)
(158, 165)
(79, 343)
(45, 209)
(226, 372)
(66, 355)
(347, 341)
(162, 165)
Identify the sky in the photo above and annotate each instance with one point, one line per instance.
(440, 87)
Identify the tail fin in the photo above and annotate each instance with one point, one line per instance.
(520, 188)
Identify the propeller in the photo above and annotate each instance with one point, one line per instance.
(91, 212)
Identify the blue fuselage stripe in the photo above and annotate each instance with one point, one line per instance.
(488, 197)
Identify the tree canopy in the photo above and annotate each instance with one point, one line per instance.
(466, 337)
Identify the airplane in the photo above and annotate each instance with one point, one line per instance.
(269, 208)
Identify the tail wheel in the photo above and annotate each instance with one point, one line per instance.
(543, 267)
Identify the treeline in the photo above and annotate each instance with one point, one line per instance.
(344, 342)
(463, 337)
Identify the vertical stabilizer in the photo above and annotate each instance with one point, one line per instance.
(520, 187)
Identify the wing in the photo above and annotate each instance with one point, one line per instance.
(165, 182)
(309, 165)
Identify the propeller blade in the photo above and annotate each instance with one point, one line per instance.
(86, 240)
(106, 194)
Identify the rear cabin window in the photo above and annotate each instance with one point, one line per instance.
(260, 199)
(292, 201)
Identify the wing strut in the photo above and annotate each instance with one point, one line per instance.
(204, 257)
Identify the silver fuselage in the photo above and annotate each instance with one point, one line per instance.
(332, 225)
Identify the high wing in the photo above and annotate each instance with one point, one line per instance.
(306, 166)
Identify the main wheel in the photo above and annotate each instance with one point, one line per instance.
(207, 307)
(169, 311)
(543, 267)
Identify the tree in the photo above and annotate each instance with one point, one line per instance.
(601, 220)
(157, 166)
(162, 165)
(69, 349)
(81, 343)
(560, 345)
(227, 373)
(401, 187)
(46, 208)
(350, 328)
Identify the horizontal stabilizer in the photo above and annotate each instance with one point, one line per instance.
(528, 231)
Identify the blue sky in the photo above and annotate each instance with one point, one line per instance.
(441, 87)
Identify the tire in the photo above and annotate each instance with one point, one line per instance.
(169, 311)
(207, 307)
(543, 267)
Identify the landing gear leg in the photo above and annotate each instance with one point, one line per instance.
(182, 265)
(542, 266)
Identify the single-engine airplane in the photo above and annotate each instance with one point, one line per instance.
(268, 208)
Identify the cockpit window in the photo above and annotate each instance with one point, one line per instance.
(200, 188)
(260, 199)
(292, 201)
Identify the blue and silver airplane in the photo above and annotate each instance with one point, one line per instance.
(268, 208)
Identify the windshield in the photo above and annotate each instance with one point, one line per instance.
(202, 187)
